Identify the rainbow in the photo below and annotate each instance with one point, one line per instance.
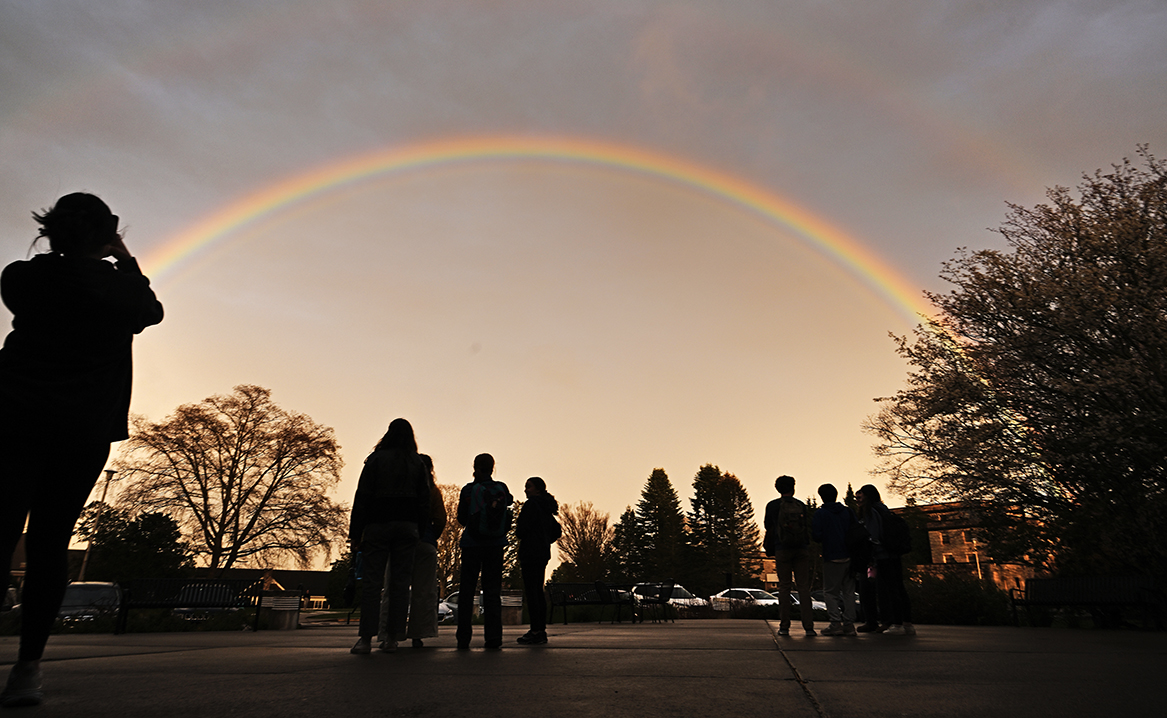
(827, 239)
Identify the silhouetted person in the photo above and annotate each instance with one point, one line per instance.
(65, 380)
(485, 514)
(390, 508)
(829, 527)
(534, 530)
(423, 592)
(788, 541)
(895, 608)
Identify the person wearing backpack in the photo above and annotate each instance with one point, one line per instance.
(890, 540)
(536, 529)
(788, 541)
(484, 511)
(830, 528)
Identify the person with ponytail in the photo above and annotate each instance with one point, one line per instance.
(65, 381)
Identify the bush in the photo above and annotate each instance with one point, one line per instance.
(957, 601)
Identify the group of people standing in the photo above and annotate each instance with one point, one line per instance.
(397, 517)
(862, 552)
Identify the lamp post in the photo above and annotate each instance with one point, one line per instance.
(96, 522)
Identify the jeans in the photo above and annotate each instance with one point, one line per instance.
(894, 606)
(839, 590)
(47, 484)
(533, 573)
(796, 562)
(487, 561)
(387, 549)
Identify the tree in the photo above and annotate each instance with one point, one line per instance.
(661, 528)
(449, 555)
(245, 479)
(1040, 390)
(586, 543)
(122, 547)
(626, 559)
(722, 532)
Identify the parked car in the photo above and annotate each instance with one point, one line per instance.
(87, 600)
(679, 597)
(743, 597)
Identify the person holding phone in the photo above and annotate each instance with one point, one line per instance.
(65, 381)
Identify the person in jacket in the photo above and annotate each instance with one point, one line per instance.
(533, 530)
(65, 380)
(788, 541)
(423, 593)
(391, 505)
(829, 528)
(895, 608)
(482, 552)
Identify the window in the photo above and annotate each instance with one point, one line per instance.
(945, 538)
(949, 558)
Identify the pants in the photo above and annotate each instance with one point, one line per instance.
(533, 573)
(387, 550)
(839, 589)
(894, 606)
(487, 561)
(47, 484)
(423, 595)
(868, 596)
(793, 562)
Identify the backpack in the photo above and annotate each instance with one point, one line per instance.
(857, 540)
(490, 510)
(897, 537)
(793, 531)
(554, 530)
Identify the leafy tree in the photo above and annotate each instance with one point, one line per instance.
(661, 528)
(122, 547)
(449, 555)
(245, 479)
(586, 544)
(723, 534)
(1040, 390)
(512, 573)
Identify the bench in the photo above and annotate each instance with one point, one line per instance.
(591, 594)
(1103, 596)
(192, 595)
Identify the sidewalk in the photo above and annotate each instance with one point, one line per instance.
(689, 668)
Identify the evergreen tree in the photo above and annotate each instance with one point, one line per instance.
(661, 526)
(121, 548)
(723, 534)
(626, 560)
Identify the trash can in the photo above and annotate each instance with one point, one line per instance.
(279, 610)
(512, 608)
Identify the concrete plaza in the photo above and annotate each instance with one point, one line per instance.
(688, 668)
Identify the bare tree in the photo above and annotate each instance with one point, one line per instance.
(449, 557)
(586, 542)
(245, 479)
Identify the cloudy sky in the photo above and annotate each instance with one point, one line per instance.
(582, 315)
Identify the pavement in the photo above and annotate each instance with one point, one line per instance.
(688, 668)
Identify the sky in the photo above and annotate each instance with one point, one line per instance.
(591, 238)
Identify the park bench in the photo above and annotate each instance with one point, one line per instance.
(591, 594)
(191, 595)
(1103, 596)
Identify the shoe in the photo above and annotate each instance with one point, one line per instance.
(362, 647)
(810, 632)
(23, 688)
(849, 630)
(783, 631)
(388, 646)
(895, 631)
(417, 643)
(834, 630)
(463, 646)
(533, 639)
(909, 629)
(868, 628)
(881, 628)
(494, 646)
